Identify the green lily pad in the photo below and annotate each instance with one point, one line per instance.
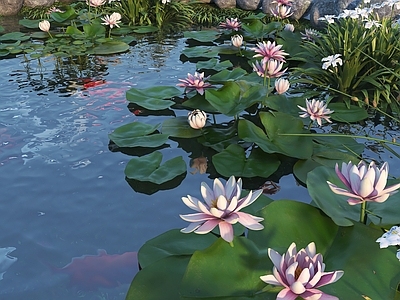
(234, 97)
(173, 243)
(137, 134)
(225, 271)
(61, 17)
(200, 51)
(344, 114)
(202, 36)
(343, 248)
(273, 142)
(14, 36)
(153, 98)
(171, 269)
(32, 24)
(180, 128)
(219, 138)
(214, 64)
(226, 75)
(111, 47)
(233, 161)
(149, 168)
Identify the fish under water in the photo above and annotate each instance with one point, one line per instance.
(91, 272)
(6, 260)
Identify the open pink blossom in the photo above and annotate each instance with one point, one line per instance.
(195, 82)
(300, 273)
(221, 207)
(268, 50)
(231, 23)
(316, 110)
(364, 183)
(269, 69)
(112, 20)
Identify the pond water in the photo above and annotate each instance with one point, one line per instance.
(64, 193)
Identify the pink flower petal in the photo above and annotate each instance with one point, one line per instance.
(329, 277)
(270, 279)
(191, 227)
(207, 226)
(226, 231)
(314, 294)
(250, 221)
(286, 294)
(197, 217)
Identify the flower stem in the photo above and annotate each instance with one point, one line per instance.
(363, 213)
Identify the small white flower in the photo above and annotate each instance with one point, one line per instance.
(44, 25)
(289, 27)
(390, 238)
(165, 1)
(347, 13)
(367, 1)
(331, 60)
(398, 254)
(197, 119)
(281, 85)
(371, 24)
(328, 18)
(237, 40)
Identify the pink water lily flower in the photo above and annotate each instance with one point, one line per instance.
(231, 23)
(195, 82)
(112, 20)
(300, 273)
(268, 50)
(221, 207)
(364, 182)
(282, 11)
(269, 69)
(316, 110)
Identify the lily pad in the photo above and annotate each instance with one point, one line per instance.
(200, 51)
(153, 98)
(233, 161)
(180, 128)
(213, 64)
(344, 114)
(14, 36)
(137, 134)
(111, 47)
(226, 75)
(203, 35)
(149, 168)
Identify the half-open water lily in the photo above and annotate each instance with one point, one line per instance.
(316, 110)
(364, 183)
(300, 273)
(221, 207)
(195, 82)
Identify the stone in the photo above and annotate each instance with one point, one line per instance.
(34, 3)
(248, 4)
(299, 7)
(10, 7)
(225, 3)
(320, 9)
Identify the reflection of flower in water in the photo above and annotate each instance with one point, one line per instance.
(199, 164)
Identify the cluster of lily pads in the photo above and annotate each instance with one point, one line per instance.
(245, 113)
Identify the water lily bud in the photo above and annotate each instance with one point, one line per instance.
(281, 85)
(44, 25)
(237, 40)
(197, 119)
(289, 27)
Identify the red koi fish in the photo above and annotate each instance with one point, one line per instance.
(91, 272)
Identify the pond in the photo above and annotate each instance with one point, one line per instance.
(65, 199)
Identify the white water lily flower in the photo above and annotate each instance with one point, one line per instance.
(331, 60)
(328, 18)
